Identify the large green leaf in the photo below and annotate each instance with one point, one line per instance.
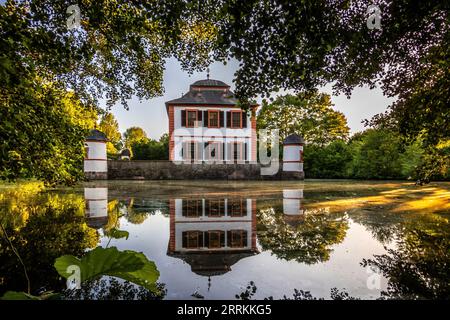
(128, 265)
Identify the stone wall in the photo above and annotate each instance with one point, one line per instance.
(167, 170)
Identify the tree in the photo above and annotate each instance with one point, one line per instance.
(132, 135)
(41, 227)
(310, 115)
(42, 130)
(377, 155)
(283, 45)
(330, 161)
(119, 50)
(151, 149)
(309, 241)
(110, 127)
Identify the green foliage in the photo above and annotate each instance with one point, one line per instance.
(151, 149)
(418, 268)
(133, 135)
(110, 127)
(310, 115)
(330, 161)
(127, 265)
(42, 132)
(41, 227)
(377, 156)
(307, 240)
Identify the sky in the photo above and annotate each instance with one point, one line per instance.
(152, 117)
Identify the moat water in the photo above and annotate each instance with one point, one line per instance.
(213, 240)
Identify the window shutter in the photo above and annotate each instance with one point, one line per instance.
(206, 236)
(222, 239)
(244, 238)
(245, 151)
(229, 151)
(207, 151)
(244, 119)
(244, 207)
(207, 207)
(184, 241)
(183, 118)
(199, 155)
(221, 119)
(229, 238)
(205, 118)
(201, 238)
(228, 119)
(199, 117)
(223, 151)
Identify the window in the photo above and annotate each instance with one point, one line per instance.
(191, 118)
(213, 119)
(191, 151)
(237, 152)
(213, 151)
(237, 238)
(192, 239)
(214, 239)
(215, 207)
(236, 119)
(237, 207)
(192, 208)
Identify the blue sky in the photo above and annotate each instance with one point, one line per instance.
(151, 114)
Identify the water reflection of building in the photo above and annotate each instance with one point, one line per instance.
(212, 234)
(292, 205)
(96, 202)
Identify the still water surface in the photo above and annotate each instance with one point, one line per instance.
(210, 239)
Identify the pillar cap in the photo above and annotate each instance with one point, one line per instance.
(96, 135)
(293, 139)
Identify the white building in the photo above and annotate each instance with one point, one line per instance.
(207, 125)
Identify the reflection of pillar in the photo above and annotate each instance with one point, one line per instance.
(96, 201)
(172, 225)
(254, 224)
(292, 202)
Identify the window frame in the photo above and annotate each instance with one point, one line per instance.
(207, 155)
(218, 233)
(241, 150)
(198, 235)
(240, 119)
(187, 118)
(241, 235)
(218, 118)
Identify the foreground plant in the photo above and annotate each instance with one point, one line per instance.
(128, 265)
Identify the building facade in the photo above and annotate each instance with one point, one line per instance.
(207, 125)
(212, 234)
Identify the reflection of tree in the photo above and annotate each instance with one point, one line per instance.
(382, 224)
(308, 241)
(138, 211)
(50, 226)
(114, 289)
(419, 268)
